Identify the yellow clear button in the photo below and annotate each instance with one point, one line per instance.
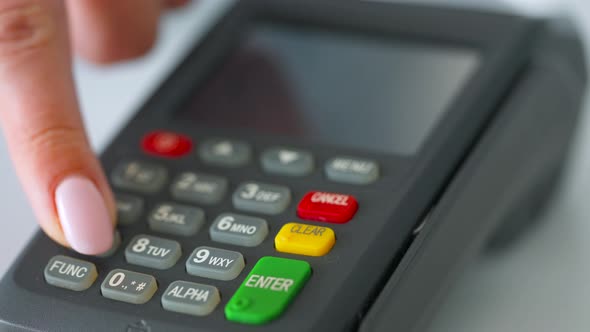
(308, 240)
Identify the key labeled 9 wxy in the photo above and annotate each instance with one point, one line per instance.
(215, 263)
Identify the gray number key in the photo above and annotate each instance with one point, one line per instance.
(129, 208)
(139, 176)
(239, 230)
(261, 198)
(128, 286)
(199, 188)
(154, 252)
(176, 219)
(215, 263)
(70, 273)
(190, 298)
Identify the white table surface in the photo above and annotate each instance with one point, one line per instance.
(540, 284)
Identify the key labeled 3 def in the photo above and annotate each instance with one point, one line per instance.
(261, 198)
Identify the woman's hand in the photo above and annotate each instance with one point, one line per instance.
(39, 111)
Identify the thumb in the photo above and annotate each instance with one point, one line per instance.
(40, 119)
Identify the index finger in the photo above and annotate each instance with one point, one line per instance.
(44, 130)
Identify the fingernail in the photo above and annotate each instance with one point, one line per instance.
(84, 217)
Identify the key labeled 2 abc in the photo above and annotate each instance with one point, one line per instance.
(154, 252)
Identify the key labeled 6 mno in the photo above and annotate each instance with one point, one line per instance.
(239, 230)
(154, 252)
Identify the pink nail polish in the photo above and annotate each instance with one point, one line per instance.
(84, 217)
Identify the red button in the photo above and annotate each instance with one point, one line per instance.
(166, 144)
(329, 207)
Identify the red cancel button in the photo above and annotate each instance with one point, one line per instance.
(166, 144)
(329, 207)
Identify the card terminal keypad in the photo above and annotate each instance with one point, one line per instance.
(254, 216)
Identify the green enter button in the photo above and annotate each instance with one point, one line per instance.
(267, 290)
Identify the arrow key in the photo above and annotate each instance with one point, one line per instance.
(224, 152)
(287, 161)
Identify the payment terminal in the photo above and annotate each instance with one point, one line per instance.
(316, 166)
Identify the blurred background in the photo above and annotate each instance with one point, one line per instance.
(540, 283)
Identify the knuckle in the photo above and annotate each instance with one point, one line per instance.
(57, 150)
(56, 140)
(24, 26)
(55, 136)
